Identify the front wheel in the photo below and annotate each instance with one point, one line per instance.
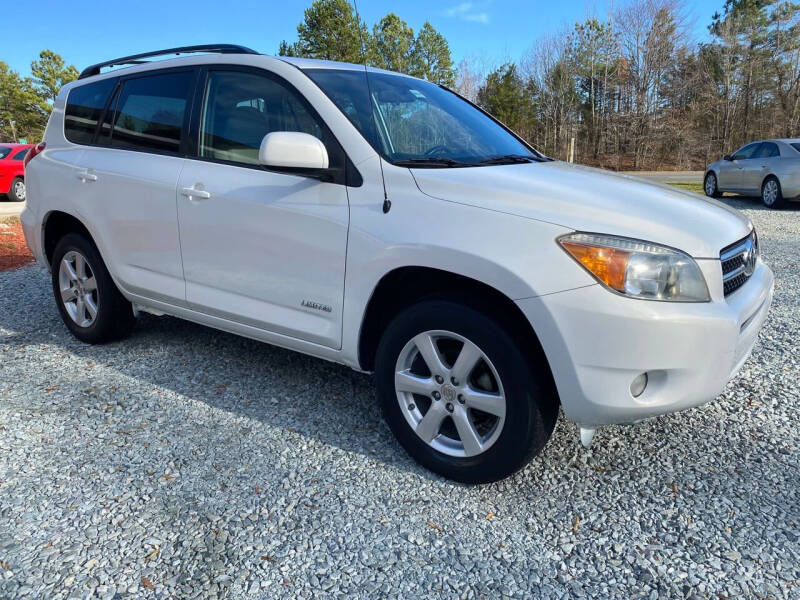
(17, 191)
(710, 186)
(771, 193)
(460, 395)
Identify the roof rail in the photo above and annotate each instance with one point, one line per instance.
(136, 59)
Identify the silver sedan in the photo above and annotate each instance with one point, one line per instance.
(770, 168)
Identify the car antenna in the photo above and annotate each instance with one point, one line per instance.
(387, 204)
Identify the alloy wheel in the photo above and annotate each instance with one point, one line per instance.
(450, 393)
(770, 192)
(711, 185)
(78, 288)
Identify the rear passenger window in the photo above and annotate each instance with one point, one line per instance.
(767, 150)
(151, 111)
(85, 104)
(21, 154)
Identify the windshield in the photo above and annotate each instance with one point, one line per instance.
(796, 147)
(5, 151)
(417, 123)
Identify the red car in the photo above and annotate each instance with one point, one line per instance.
(12, 170)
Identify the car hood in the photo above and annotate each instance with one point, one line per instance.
(593, 200)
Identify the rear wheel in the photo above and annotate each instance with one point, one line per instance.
(16, 192)
(710, 186)
(460, 395)
(89, 302)
(771, 193)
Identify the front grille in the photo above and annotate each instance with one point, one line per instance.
(738, 262)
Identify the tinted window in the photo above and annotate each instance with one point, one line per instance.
(746, 152)
(85, 104)
(767, 150)
(20, 155)
(4, 151)
(409, 120)
(241, 108)
(796, 147)
(150, 112)
(104, 135)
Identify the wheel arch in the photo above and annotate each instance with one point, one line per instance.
(55, 225)
(407, 285)
(771, 175)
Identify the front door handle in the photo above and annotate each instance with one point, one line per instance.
(194, 193)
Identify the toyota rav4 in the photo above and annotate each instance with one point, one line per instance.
(386, 223)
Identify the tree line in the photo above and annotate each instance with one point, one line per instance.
(632, 90)
(635, 91)
(26, 102)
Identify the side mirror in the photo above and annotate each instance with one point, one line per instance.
(727, 157)
(294, 152)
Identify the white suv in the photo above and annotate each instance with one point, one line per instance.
(384, 222)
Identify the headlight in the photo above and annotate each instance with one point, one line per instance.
(638, 269)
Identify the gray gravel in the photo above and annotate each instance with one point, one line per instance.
(188, 463)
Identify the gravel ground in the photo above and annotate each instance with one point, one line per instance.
(188, 463)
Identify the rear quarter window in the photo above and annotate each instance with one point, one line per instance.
(85, 106)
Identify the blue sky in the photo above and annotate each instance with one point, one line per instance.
(493, 31)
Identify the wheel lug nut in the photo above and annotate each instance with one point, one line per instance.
(439, 379)
(436, 395)
(461, 399)
(411, 407)
(454, 380)
(449, 407)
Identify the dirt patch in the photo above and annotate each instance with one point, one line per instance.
(14, 251)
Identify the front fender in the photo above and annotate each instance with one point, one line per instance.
(517, 256)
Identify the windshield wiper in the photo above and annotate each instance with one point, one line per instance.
(508, 159)
(431, 161)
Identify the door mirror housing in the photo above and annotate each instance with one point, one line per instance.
(293, 151)
(727, 157)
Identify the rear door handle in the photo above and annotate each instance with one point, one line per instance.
(191, 192)
(86, 176)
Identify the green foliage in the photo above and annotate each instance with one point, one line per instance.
(392, 44)
(507, 97)
(23, 111)
(431, 57)
(51, 73)
(331, 30)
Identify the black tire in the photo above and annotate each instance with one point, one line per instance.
(779, 201)
(531, 401)
(115, 318)
(12, 193)
(711, 188)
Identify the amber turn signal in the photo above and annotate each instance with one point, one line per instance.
(607, 264)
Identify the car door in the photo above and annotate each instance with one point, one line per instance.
(730, 172)
(261, 247)
(129, 175)
(758, 166)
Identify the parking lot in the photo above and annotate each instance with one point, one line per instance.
(189, 463)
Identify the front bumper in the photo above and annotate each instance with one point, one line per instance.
(597, 342)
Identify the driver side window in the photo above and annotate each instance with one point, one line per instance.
(240, 108)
